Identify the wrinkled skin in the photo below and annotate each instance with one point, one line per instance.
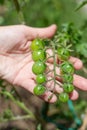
(16, 61)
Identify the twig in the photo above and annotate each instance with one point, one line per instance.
(19, 11)
(20, 104)
(84, 125)
(16, 118)
(84, 70)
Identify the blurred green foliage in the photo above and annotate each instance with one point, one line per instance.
(84, 2)
(41, 13)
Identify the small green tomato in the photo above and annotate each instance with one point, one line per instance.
(67, 68)
(39, 90)
(41, 78)
(68, 88)
(37, 44)
(67, 78)
(38, 67)
(63, 97)
(38, 55)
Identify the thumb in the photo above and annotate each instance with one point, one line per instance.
(46, 32)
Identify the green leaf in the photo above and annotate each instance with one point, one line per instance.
(82, 49)
(81, 5)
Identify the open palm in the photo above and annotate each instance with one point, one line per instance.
(15, 56)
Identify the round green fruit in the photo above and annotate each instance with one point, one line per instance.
(68, 88)
(67, 67)
(39, 90)
(41, 78)
(37, 44)
(38, 67)
(63, 97)
(39, 55)
(67, 78)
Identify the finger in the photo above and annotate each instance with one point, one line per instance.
(51, 86)
(76, 62)
(49, 55)
(49, 97)
(51, 73)
(30, 84)
(80, 82)
(50, 58)
(46, 32)
(50, 69)
(74, 95)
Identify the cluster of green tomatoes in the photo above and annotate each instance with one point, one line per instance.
(39, 66)
(39, 56)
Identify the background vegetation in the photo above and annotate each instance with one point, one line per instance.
(38, 114)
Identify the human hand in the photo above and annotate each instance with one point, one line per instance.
(16, 61)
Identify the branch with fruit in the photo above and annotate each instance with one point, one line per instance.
(61, 47)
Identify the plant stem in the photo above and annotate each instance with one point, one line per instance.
(16, 118)
(49, 57)
(54, 64)
(58, 75)
(58, 83)
(49, 80)
(20, 104)
(48, 72)
(19, 11)
(84, 70)
(54, 69)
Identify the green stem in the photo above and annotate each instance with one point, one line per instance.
(20, 13)
(48, 72)
(49, 80)
(49, 57)
(17, 5)
(20, 104)
(58, 75)
(54, 69)
(58, 83)
(54, 64)
(84, 69)
(16, 118)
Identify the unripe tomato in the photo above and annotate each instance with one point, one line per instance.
(39, 90)
(41, 78)
(38, 67)
(63, 97)
(68, 88)
(67, 78)
(37, 44)
(67, 67)
(39, 55)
